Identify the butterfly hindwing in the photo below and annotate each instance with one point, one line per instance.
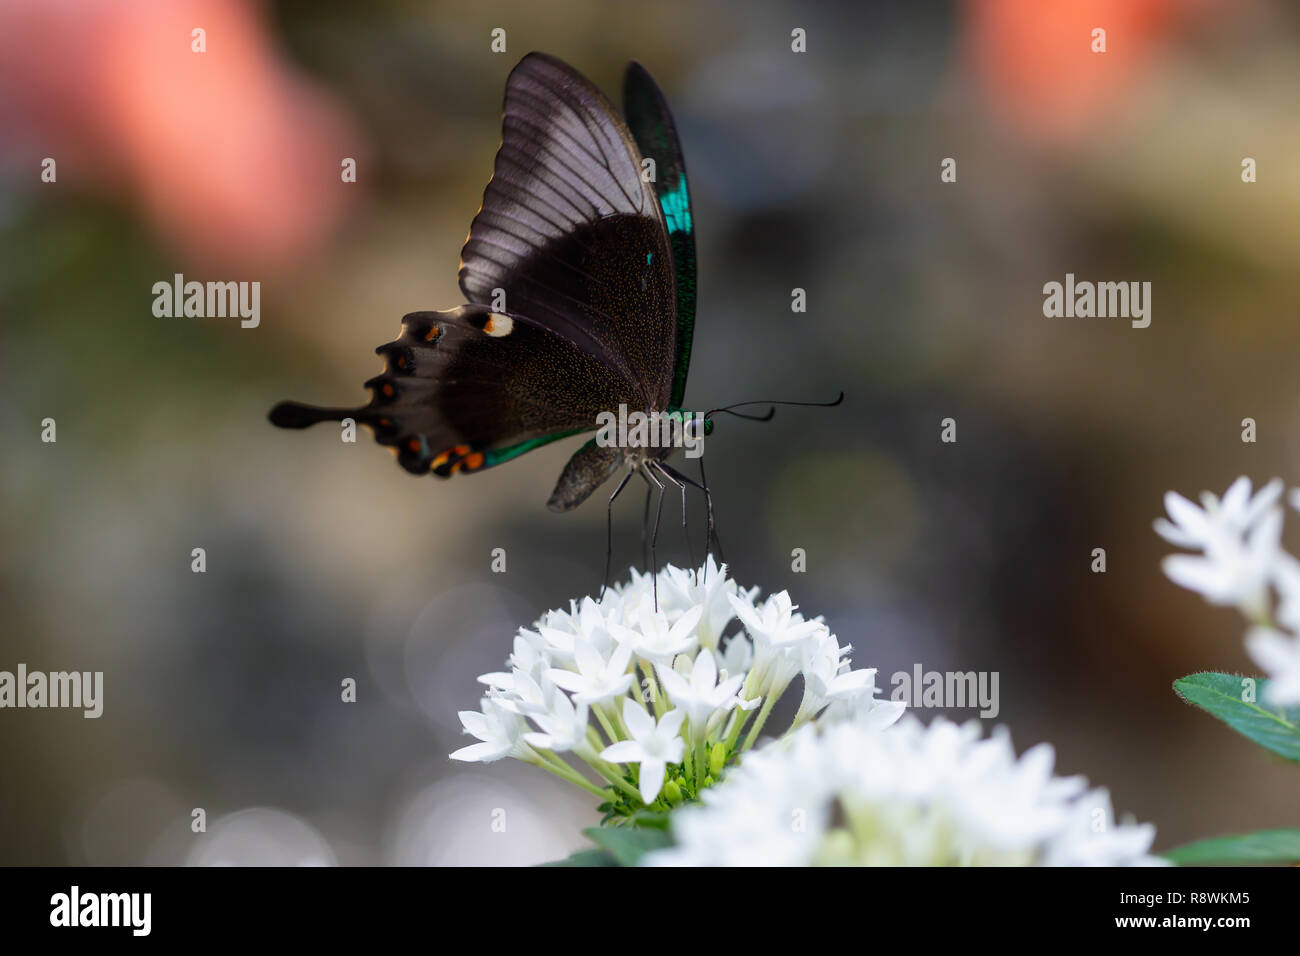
(468, 388)
(571, 234)
(651, 124)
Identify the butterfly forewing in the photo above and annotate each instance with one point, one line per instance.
(571, 234)
(651, 124)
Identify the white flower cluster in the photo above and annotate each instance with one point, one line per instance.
(674, 698)
(847, 793)
(1241, 563)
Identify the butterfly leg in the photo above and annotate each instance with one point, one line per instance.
(672, 476)
(645, 527)
(711, 538)
(711, 535)
(609, 533)
(654, 535)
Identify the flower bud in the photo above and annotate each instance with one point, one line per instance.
(717, 758)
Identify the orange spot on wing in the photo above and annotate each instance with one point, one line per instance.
(460, 451)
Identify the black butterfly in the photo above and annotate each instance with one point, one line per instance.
(579, 274)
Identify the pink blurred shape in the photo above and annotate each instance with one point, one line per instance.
(233, 157)
(1035, 62)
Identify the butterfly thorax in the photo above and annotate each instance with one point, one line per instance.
(651, 435)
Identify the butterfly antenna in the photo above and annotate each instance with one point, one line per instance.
(766, 417)
(772, 411)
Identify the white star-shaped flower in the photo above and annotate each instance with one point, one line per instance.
(528, 657)
(708, 588)
(911, 795)
(598, 677)
(654, 639)
(1233, 515)
(587, 624)
(704, 698)
(1279, 654)
(563, 728)
(827, 677)
(499, 729)
(654, 745)
(775, 624)
(1233, 571)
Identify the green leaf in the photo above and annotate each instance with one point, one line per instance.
(628, 844)
(1277, 729)
(593, 857)
(651, 819)
(1265, 846)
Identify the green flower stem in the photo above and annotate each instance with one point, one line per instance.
(602, 767)
(763, 713)
(732, 718)
(549, 761)
(701, 762)
(619, 726)
(599, 711)
(594, 741)
(610, 773)
(753, 680)
(656, 695)
(733, 735)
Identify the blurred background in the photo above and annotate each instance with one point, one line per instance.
(817, 170)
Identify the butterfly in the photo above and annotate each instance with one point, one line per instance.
(579, 276)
